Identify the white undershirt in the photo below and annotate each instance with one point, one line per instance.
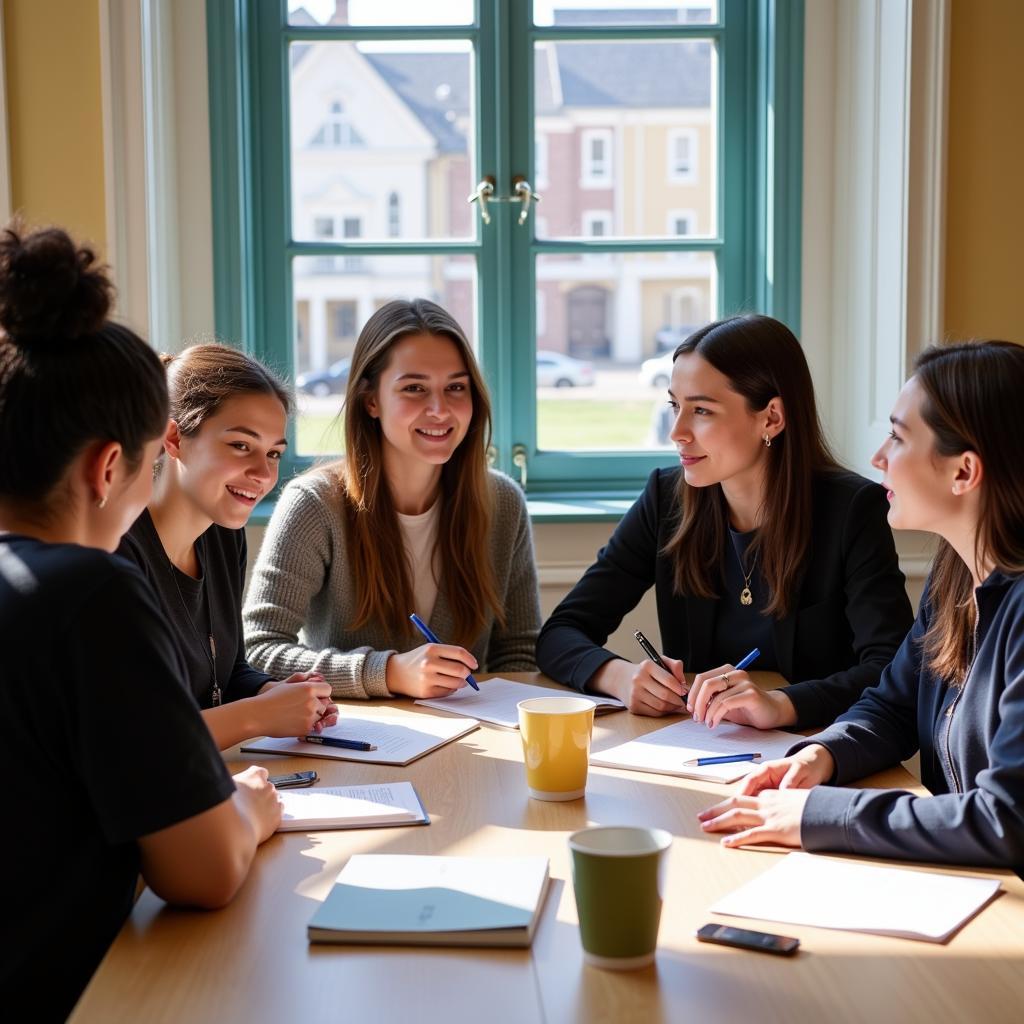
(419, 536)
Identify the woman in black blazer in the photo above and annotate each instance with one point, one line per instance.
(758, 539)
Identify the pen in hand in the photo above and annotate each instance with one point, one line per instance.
(429, 634)
(652, 653)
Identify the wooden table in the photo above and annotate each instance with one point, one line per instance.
(251, 962)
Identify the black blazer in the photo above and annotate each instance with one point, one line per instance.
(850, 617)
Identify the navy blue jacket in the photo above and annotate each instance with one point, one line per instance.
(850, 614)
(971, 739)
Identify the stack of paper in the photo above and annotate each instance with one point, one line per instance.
(433, 901)
(829, 893)
(399, 737)
(665, 750)
(496, 702)
(330, 807)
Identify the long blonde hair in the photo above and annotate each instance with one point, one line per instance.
(384, 592)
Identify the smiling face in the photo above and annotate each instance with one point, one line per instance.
(918, 480)
(234, 457)
(717, 436)
(423, 401)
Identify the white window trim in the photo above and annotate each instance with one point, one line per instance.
(674, 176)
(875, 122)
(587, 178)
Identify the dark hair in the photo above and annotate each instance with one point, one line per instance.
(68, 376)
(203, 377)
(971, 396)
(375, 549)
(763, 360)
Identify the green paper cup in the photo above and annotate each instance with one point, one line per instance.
(618, 874)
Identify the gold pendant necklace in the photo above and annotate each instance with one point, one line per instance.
(746, 597)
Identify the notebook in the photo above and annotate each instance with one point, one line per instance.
(399, 736)
(330, 807)
(433, 901)
(664, 751)
(496, 702)
(828, 893)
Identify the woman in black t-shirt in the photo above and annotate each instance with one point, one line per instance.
(222, 450)
(90, 694)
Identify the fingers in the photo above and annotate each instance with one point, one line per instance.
(705, 686)
(743, 695)
(449, 652)
(732, 803)
(753, 836)
(762, 778)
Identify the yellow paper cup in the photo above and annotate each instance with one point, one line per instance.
(556, 745)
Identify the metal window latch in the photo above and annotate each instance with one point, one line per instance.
(519, 460)
(483, 192)
(525, 194)
(492, 455)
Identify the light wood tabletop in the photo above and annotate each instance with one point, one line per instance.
(251, 962)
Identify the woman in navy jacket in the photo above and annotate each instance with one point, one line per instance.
(759, 539)
(956, 688)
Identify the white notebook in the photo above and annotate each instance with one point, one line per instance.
(399, 736)
(828, 893)
(496, 702)
(330, 807)
(664, 751)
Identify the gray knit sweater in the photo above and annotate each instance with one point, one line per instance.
(302, 600)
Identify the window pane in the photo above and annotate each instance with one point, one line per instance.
(629, 128)
(379, 12)
(609, 12)
(380, 127)
(334, 296)
(610, 324)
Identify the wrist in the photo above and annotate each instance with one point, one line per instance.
(606, 680)
(393, 677)
(784, 710)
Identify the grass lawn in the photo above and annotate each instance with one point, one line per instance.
(579, 423)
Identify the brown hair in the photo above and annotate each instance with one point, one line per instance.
(203, 377)
(375, 550)
(971, 399)
(762, 360)
(68, 376)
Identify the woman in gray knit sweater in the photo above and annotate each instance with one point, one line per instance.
(411, 520)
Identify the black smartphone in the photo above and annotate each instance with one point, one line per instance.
(293, 781)
(743, 938)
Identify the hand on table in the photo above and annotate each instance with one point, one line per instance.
(433, 670)
(295, 706)
(260, 800)
(645, 689)
(727, 695)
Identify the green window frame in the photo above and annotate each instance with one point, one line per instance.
(759, 187)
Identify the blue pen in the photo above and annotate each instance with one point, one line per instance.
(744, 662)
(429, 634)
(699, 762)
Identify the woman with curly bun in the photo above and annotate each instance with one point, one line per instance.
(125, 777)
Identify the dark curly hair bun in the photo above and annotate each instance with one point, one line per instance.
(50, 288)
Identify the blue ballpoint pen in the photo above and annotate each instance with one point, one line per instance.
(699, 762)
(429, 634)
(744, 662)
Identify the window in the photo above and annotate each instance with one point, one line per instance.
(613, 261)
(682, 156)
(596, 158)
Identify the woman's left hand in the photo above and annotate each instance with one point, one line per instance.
(770, 817)
(328, 713)
(725, 695)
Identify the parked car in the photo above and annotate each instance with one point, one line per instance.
(322, 383)
(555, 369)
(666, 339)
(656, 372)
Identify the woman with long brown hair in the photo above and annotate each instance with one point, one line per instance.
(955, 692)
(758, 539)
(410, 520)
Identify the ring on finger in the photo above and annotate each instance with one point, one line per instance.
(725, 678)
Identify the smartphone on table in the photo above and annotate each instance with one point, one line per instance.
(293, 781)
(744, 938)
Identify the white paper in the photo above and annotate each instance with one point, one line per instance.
(828, 893)
(352, 806)
(496, 702)
(399, 738)
(664, 751)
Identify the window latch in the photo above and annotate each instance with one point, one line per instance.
(519, 460)
(481, 194)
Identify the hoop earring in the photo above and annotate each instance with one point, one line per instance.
(767, 441)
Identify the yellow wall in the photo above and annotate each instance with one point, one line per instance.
(985, 196)
(55, 119)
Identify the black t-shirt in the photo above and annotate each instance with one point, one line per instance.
(103, 745)
(197, 608)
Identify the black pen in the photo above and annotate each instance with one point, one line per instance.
(334, 741)
(650, 651)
